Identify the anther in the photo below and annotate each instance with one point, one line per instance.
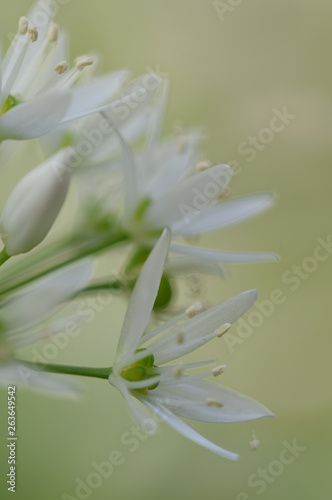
(203, 165)
(33, 33)
(254, 443)
(180, 338)
(83, 61)
(194, 309)
(178, 370)
(23, 25)
(218, 370)
(213, 402)
(53, 33)
(222, 329)
(62, 67)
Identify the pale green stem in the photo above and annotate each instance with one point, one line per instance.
(83, 371)
(104, 245)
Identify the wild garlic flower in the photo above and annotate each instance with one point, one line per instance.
(35, 203)
(168, 185)
(24, 319)
(35, 88)
(141, 371)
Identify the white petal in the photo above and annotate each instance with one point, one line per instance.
(34, 118)
(225, 257)
(224, 214)
(138, 411)
(200, 329)
(189, 396)
(186, 430)
(130, 174)
(189, 194)
(38, 301)
(142, 300)
(88, 96)
(171, 165)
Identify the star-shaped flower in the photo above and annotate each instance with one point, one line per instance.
(141, 371)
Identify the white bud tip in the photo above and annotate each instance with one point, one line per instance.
(53, 33)
(222, 329)
(203, 165)
(23, 25)
(213, 402)
(218, 370)
(33, 33)
(195, 309)
(83, 61)
(177, 371)
(180, 338)
(62, 67)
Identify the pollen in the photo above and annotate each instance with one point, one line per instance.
(218, 370)
(222, 329)
(178, 370)
(180, 338)
(83, 61)
(53, 33)
(213, 402)
(203, 165)
(23, 25)
(33, 33)
(62, 67)
(194, 309)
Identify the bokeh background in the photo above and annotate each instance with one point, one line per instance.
(230, 67)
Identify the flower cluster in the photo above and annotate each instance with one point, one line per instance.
(139, 192)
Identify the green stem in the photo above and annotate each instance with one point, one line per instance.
(83, 371)
(86, 252)
(3, 257)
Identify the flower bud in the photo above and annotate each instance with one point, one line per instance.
(35, 203)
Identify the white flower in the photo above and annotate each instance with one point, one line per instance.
(167, 390)
(35, 88)
(166, 185)
(35, 203)
(22, 318)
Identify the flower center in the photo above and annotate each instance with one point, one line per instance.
(141, 370)
(10, 103)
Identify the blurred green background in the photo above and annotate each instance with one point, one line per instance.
(227, 75)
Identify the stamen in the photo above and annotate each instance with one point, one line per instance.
(194, 309)
(203, 165)
(61, 68)
(254, 443)
(53, 33)
(218, 370)
(83, 61)
(33, 33)
(213, 402)
(178, 370)
(223, 194)
(23, 25)
(180, 338)
(222, 329)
